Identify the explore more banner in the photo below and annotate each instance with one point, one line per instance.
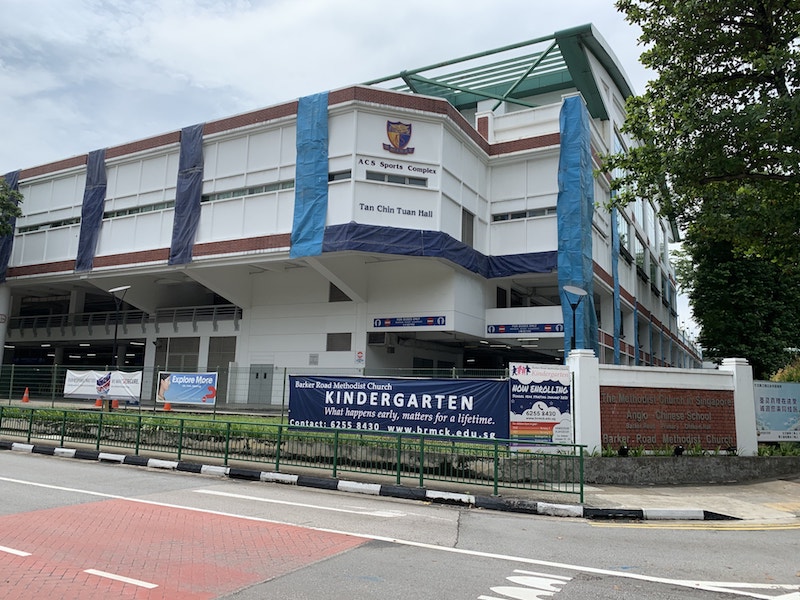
(459, 407)
(187, 388)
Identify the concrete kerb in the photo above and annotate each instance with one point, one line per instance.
(516, 505)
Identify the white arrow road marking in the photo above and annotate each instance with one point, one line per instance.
(521, 593)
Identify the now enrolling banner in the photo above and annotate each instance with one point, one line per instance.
(118, 385)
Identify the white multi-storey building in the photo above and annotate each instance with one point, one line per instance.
(428, 220)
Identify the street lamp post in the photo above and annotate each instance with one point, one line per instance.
(573, 290)
(119, 294)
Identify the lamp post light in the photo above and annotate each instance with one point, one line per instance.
(119, 294)
(573, 290)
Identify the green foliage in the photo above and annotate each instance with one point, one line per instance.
(746, 305)
(789, 373)
(781, 449)
(718, 127)
(9, 207)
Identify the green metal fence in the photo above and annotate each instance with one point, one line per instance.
(556, 468)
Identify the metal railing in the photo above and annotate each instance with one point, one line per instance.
(104, 321)
(554, 468)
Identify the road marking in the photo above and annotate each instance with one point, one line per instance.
(372, 513)
(115, 577)
(698, 585)
(12, 551)
(705, 525)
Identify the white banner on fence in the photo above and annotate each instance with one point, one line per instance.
(103, 384)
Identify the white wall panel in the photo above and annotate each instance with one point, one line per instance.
(341, 134)
(126, 180)
(507, 237)
(426, 137)
(451, 185)
(340, 203)
(451, 218)
(264, 150)
(62, 244)
(541, 234)
(146, 231)
(508, 181)
(542, 175)
(154, 174)
(288, 145)
(260, 216)
(396, 206)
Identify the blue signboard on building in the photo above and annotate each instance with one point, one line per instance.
(410, 321)
(518, 328)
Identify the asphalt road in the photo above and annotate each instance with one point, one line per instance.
(70, 529)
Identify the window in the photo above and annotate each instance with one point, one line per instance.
(395, 178)
(467, 227)
(525, 214)
(339, 175)
(502, 298)
(286, 184)
(639, 255)
(338, 342)
(622, 232)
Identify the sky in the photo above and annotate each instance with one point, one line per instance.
(80, 75)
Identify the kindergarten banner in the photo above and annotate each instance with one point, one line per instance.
(103, 384)
(459, 407)
(187, 388)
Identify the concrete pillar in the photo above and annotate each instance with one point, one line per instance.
(744, 404)
(585, 369)
(5, 315)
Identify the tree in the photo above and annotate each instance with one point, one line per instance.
(9, 207)
(789, 373)
(719, 128)
(747, 305)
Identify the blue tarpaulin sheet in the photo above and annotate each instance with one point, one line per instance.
(187, 195)
(311, 176)
(94, 199)
(574, 213)
(415, 242)
(7, 241)
(615, 276)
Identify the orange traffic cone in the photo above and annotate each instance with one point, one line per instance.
(25, 396)
(98, 402)
(115, 404)
(167, 406)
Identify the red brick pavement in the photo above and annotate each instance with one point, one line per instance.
(188, 554)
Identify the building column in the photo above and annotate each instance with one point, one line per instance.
(5, 315)
(744, 404)
(585, 369)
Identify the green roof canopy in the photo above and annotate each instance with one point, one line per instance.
(513, 73)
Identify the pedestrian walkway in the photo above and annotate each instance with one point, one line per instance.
(774, 500)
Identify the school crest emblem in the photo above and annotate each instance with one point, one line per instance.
(399, 135)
